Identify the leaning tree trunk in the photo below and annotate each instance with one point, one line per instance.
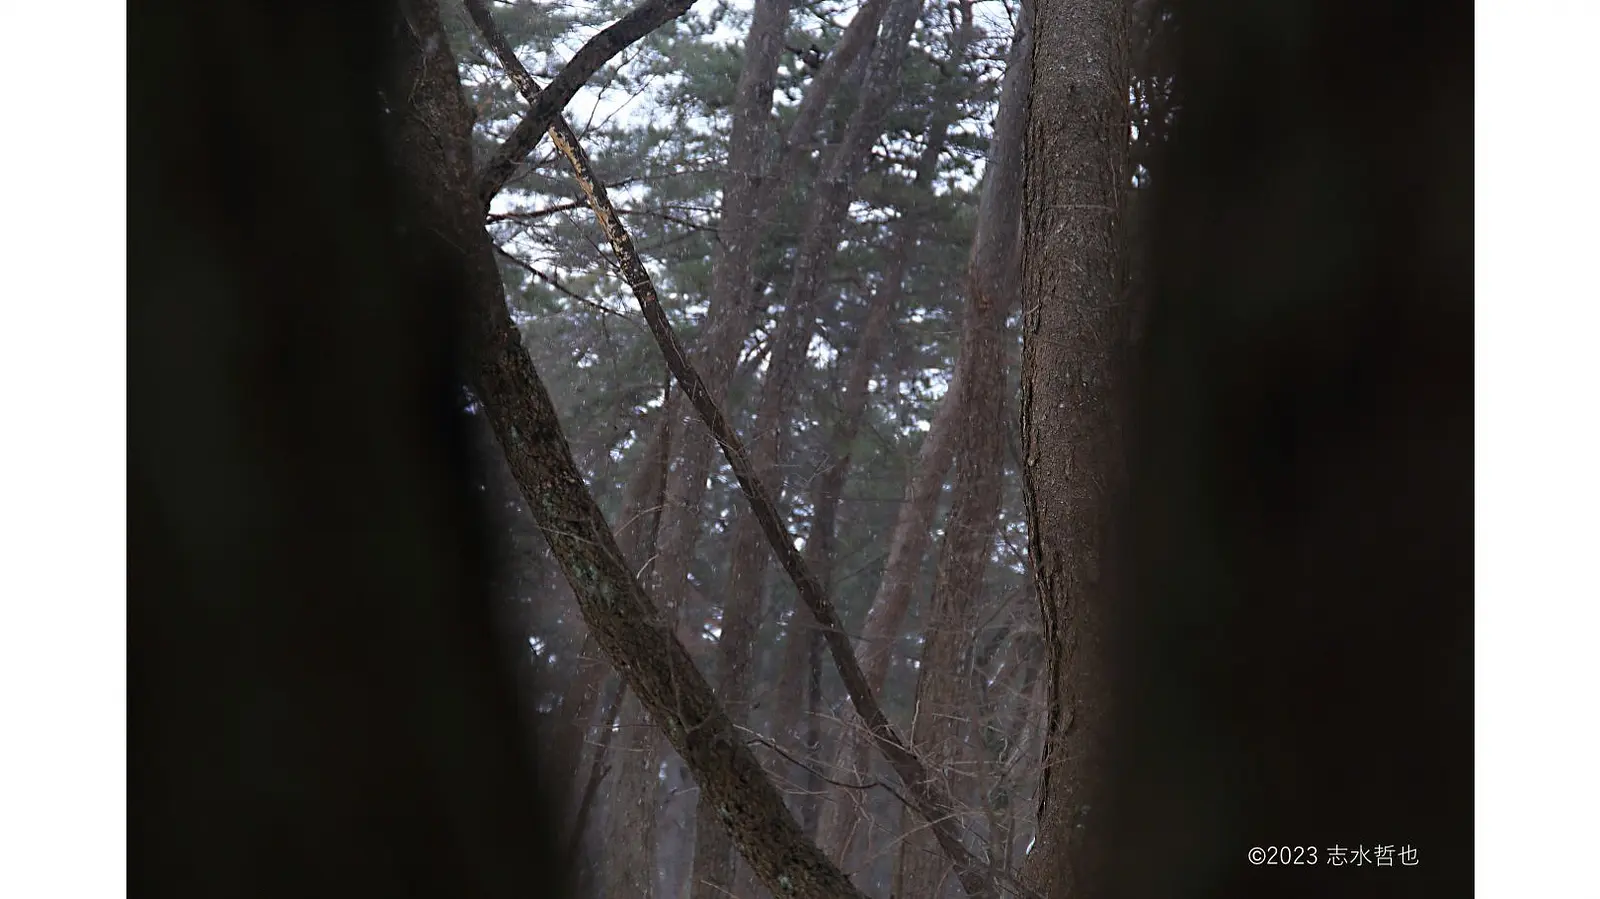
(943, 696)
(1076, 165)
(754, 184)
(803, 658)
(713, 876)
(433, 148)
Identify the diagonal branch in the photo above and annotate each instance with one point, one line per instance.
(801, 137)
(430, 130)
(546, 105)
(559, 287)
(928, 795)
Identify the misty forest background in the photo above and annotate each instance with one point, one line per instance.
(827, 198)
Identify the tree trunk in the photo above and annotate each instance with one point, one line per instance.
(995, 250)
(818, 246)
(622, 617)
(1076, 166)
(943, 697)
(728, 312)
(752, 188)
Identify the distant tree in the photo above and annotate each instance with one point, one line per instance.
(946, 728)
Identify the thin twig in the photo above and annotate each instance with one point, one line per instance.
(561, 288)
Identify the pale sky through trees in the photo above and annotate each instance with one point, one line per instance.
(601, 103)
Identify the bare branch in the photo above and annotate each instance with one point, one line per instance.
(622, 617)
(559, 287)
(547, 104)
(929, 797)
(536, 213)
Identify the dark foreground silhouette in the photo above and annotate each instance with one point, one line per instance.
(1295, 654)
(322, 699)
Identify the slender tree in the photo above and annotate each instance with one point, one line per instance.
(945, 729)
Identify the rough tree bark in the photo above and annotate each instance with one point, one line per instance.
(1073, 327)
(633, 803)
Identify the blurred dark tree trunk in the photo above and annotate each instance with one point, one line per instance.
(322, 693)
(1280, 635)
(1301, 464)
